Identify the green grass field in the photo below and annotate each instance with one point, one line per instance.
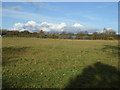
(49, 63)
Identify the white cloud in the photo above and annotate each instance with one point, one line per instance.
(33, 16)
(41, 6)
(16, 7)
(51, 27)
(33, 26)
(77, 25)
(92, 17)
(108, 28)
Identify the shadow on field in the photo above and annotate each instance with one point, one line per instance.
(98, 75)
(115, 49)
(10, 53)
(112, 50)
(14, 49)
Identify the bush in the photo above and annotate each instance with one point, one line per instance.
(111, 38)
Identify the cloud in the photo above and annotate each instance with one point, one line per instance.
(77, 25)
(108, 28)
(51, 27)
(92, 17)
(33, 26)
(102, 6)
(32, 16)
(40, 6)
(16, 8)
(105, 6)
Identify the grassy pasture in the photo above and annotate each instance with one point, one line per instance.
(49, 63)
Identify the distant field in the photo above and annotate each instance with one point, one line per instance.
(49, 63)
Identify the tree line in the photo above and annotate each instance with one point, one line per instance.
(105, 35)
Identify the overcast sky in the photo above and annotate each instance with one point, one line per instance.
(60, 16)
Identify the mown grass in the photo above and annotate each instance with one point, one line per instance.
(49, 63)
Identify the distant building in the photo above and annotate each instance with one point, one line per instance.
(73, 37)
(67, 36)
(83, 37)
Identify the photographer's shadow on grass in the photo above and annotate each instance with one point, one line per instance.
(98, 75)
